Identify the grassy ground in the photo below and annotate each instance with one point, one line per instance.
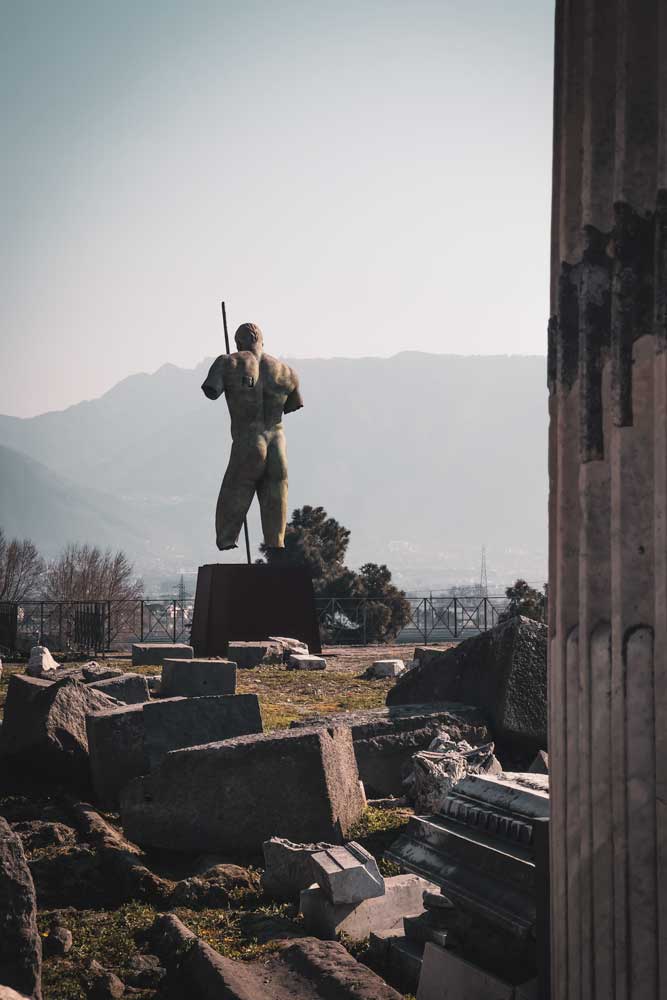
(244, 928)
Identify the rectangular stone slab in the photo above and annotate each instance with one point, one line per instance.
(154, 653)
(173, 723)
(131, 689)
(197, 678)
(116, 747)
(447, 976)
(347, 874)
(234, 795)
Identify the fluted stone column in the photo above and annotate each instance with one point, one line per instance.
(608, 502)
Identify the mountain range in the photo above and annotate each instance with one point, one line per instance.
(426, 458)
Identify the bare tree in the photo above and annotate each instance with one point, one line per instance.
(86, 573)
(21, 568)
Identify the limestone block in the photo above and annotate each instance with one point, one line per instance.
(20, 942)
(247, 655)
(447, 976)
(94, 671)
(234, 795)
(387, 668)
(154, 653)
(44, 728)
(288, 867)
(174, 723)
(198, 678)
(403, 896)
(290, 645)
(131, 689)
(41, 662)
(116, 745)
(347, 874)
(299, 661)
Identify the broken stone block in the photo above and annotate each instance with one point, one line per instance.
(198, 677)
(116, 746)
(247, 655)
(503, 671)
(41, 662)
(131, 689)
(541, 763)
(173, 723)
(445, 974)
(347, 874)
(290, 645)
(44, 728)
(154, 653)
(299, 661)
(436, 771)
(403, 896)
(154, 682)
(20, 942)
(234, 795)
(387, 668)
(288, 867)
(94, 671)
(385, 739)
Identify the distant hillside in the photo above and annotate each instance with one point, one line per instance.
(424, 457)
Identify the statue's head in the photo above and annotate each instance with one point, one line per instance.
(249, 337)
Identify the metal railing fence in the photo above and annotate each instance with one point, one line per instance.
(97, 626)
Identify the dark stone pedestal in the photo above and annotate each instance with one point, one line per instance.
(251, 603)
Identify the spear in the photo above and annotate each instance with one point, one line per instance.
(245, 519)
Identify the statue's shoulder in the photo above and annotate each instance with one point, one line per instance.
(280, 371)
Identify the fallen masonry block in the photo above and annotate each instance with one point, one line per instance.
(44, 727)
(234, 795)
(41, 662)
(247, 655)
(153, 654)
(198, 677)
(93, 671)
(385, 739)
(387, 668)
(445, 974)
(301, 661)
(290, 645)
(174, 723)
(403, 897)
(299, 968)
(348, 874)
(288, 867)
(116, 745)
(131, 689)
(20, 942)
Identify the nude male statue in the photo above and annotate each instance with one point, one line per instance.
(259, 389)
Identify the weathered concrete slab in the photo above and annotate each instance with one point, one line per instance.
(234, 795)
(288, 867)
(44, 727)
(197, 678)
(131, 689)
(174, 723)
(302, 661)
(386, 738)
(347, 874)
(116, 745)
(146, 654)
(403, 896)
(20, 942)
(503, 671)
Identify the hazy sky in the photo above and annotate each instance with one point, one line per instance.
(357, 177)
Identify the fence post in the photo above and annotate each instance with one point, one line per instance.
(174, 629)
(141, 622)
(456, 619)
(425, 625)
(41, 623)
(486, 604)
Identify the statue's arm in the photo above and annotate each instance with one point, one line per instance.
(294, 400)
(214, 383)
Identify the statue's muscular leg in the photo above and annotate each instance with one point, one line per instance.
(246, 465)
(272, 493)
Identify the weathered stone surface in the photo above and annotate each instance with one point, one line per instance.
(44, 728)
(301, 661)
(36, 834)
(174, 723)
(234, 795)
(7, 993)
(541, 763)
(289, 645)
(385, 739)
(58, 941)
(403, 896)
(198, 677)
(116, 746)
(154, 682)
(386, 668)
(247, 655)
(94, 671)
(104, 985)
(347, 874)
(20, 942)
(436, 771)
(446, 974)
(288, 867)
(503, 671)
(131, 689)
(301, 968)
(154, 653)
(41, 662)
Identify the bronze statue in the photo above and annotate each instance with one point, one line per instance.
(259, 389)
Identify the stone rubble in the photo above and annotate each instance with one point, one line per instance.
(20, 942)
(436, 771)
(347, 874)
(302, 661)
(386, 668)
(41, 662)
(288, 867)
